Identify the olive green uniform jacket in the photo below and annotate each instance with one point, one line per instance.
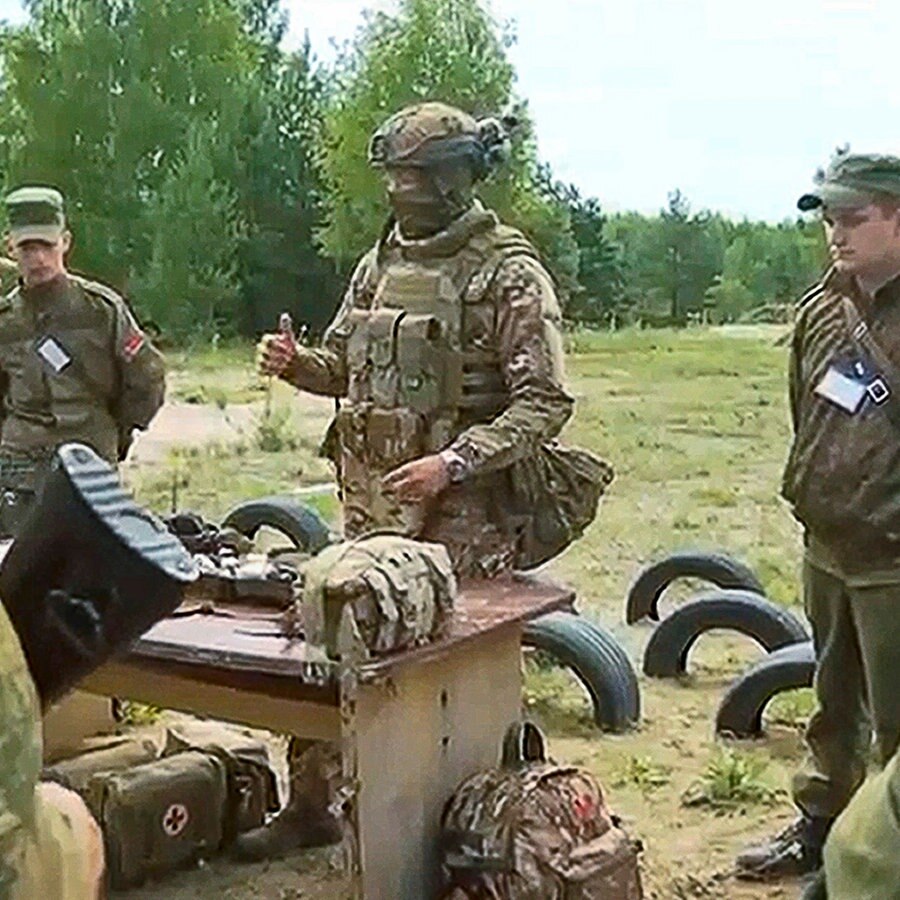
(74, 366)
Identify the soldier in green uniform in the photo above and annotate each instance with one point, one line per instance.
(843, 481)
(446, 360)
(74, 365)
(50, 847)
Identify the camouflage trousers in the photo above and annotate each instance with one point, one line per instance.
(22, 476)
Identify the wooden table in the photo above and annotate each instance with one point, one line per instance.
(411, 725)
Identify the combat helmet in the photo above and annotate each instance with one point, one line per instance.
(432, 134)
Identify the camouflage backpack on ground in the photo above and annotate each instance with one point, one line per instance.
(535, 830)
(376, 595)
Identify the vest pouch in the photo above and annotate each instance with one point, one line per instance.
(382, 330)
(350, 425)
(358, 365)
(159, 816)
(430, 369)
(393, 437)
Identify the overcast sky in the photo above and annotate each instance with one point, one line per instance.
(736, 103)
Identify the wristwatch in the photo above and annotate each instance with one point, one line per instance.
(457, 467)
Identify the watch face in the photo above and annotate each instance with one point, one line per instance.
(457, 469)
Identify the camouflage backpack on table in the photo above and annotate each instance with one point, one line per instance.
(376, 594)
(535, 830)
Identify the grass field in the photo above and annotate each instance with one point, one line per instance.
(695, 423)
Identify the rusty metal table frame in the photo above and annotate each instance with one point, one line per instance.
(411, 726)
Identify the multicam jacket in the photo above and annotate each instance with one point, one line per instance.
(447, 342)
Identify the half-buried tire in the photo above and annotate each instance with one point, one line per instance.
(749, 613)
(297, 521)
(718, 568)
(597, 659)
(741, 711)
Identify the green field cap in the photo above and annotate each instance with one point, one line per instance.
(35, 214)
(853, 180)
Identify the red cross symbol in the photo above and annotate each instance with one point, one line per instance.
(584, 806)
(175, 819)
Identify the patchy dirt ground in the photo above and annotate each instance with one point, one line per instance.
(696, 425)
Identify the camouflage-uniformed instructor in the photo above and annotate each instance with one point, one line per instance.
(843, 481)
(74, 365)
(446, 353)
(447, 360)
(50, 847)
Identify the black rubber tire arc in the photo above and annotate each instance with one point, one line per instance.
(597, 659)
(741, 710)
(718, 568)
(301, 523)
(770, 625)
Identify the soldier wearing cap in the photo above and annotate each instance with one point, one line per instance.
(843, 481)
(447, 362)
(74, 364)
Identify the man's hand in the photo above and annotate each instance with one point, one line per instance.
(418, 480)
(275, 353)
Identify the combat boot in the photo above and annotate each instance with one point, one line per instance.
(306, 820)
(795, 851)
(296, 827)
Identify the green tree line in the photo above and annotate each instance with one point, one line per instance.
(217, 179)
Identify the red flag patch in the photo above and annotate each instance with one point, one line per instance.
(132, 344)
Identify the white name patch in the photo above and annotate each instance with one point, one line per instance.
(53, 354)
(841, 390)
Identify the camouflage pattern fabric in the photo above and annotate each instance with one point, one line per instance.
(852, 180)
(406, 136)
(376, 595)
(541, 832)
(448, 342)
(842, 477)
(44, 851)
(9, 275)
(113, 383)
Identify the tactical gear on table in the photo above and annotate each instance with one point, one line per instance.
(376, 595)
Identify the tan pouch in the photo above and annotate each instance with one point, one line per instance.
(160, 816)
(110, 755)
(251, 783)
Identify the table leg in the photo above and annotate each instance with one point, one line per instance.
(411, 741)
